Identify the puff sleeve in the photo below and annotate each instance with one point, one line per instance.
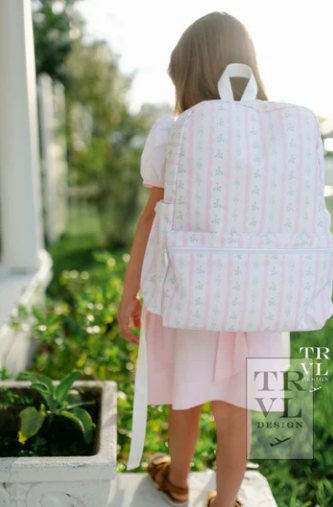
(152, 166)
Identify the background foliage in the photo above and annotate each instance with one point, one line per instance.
(56, 24)
(104, 138)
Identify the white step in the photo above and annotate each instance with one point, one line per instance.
(135, 490)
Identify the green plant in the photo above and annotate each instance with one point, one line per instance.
(60, 401)
(4, 375)
(9, 398)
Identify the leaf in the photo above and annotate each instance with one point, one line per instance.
(64, 386)
(51, 402)
(31, 422)
(26, 375)
(42, 379)
(84, 421)
(38, 386)
(37, 313)
(43, 410)
(53, 319)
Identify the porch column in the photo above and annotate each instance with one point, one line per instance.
(21, 215)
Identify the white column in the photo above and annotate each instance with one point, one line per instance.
(21, 216)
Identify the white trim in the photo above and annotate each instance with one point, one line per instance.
(149, 183)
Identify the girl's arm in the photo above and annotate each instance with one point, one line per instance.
(130, 303)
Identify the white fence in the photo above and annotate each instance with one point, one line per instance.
(52, 111)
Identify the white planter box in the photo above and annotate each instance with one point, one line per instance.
(70, 481)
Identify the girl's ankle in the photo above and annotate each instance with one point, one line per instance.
(177, 480)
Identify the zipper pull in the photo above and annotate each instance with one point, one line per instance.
(166, 258)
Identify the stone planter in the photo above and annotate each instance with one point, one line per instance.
(70, 481)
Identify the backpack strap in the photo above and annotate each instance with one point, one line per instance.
(237, 70)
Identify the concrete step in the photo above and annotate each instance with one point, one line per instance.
(135, 490)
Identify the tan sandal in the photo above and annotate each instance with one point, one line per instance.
(161, 461)
(212, 494)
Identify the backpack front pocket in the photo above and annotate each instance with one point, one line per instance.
(248, 289)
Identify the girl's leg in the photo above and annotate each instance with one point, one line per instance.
(184, 430)
(231, 425)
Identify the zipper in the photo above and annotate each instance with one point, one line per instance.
(218, 249)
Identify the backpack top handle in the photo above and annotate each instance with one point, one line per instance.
(237, 70)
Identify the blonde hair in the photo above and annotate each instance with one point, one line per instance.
(201, 55)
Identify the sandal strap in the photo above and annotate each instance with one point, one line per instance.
(211, 496)
(165, 483)
(156, 465)
(238, 502)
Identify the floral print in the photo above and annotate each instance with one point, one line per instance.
(242, 176)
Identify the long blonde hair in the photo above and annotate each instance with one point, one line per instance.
(201, 55)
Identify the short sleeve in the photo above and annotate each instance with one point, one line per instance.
(153, 155)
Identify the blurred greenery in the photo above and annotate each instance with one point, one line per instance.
(56, 25)
(104, 139)
(106, 156)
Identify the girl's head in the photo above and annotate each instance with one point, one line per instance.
(203, 52)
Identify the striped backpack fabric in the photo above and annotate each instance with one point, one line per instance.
(241, 240)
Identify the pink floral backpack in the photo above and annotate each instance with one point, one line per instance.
(242, 238)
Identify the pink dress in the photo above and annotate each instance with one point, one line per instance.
(188, 367)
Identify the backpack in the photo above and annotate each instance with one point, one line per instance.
(241, 240)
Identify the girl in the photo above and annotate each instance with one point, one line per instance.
(187, 368)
